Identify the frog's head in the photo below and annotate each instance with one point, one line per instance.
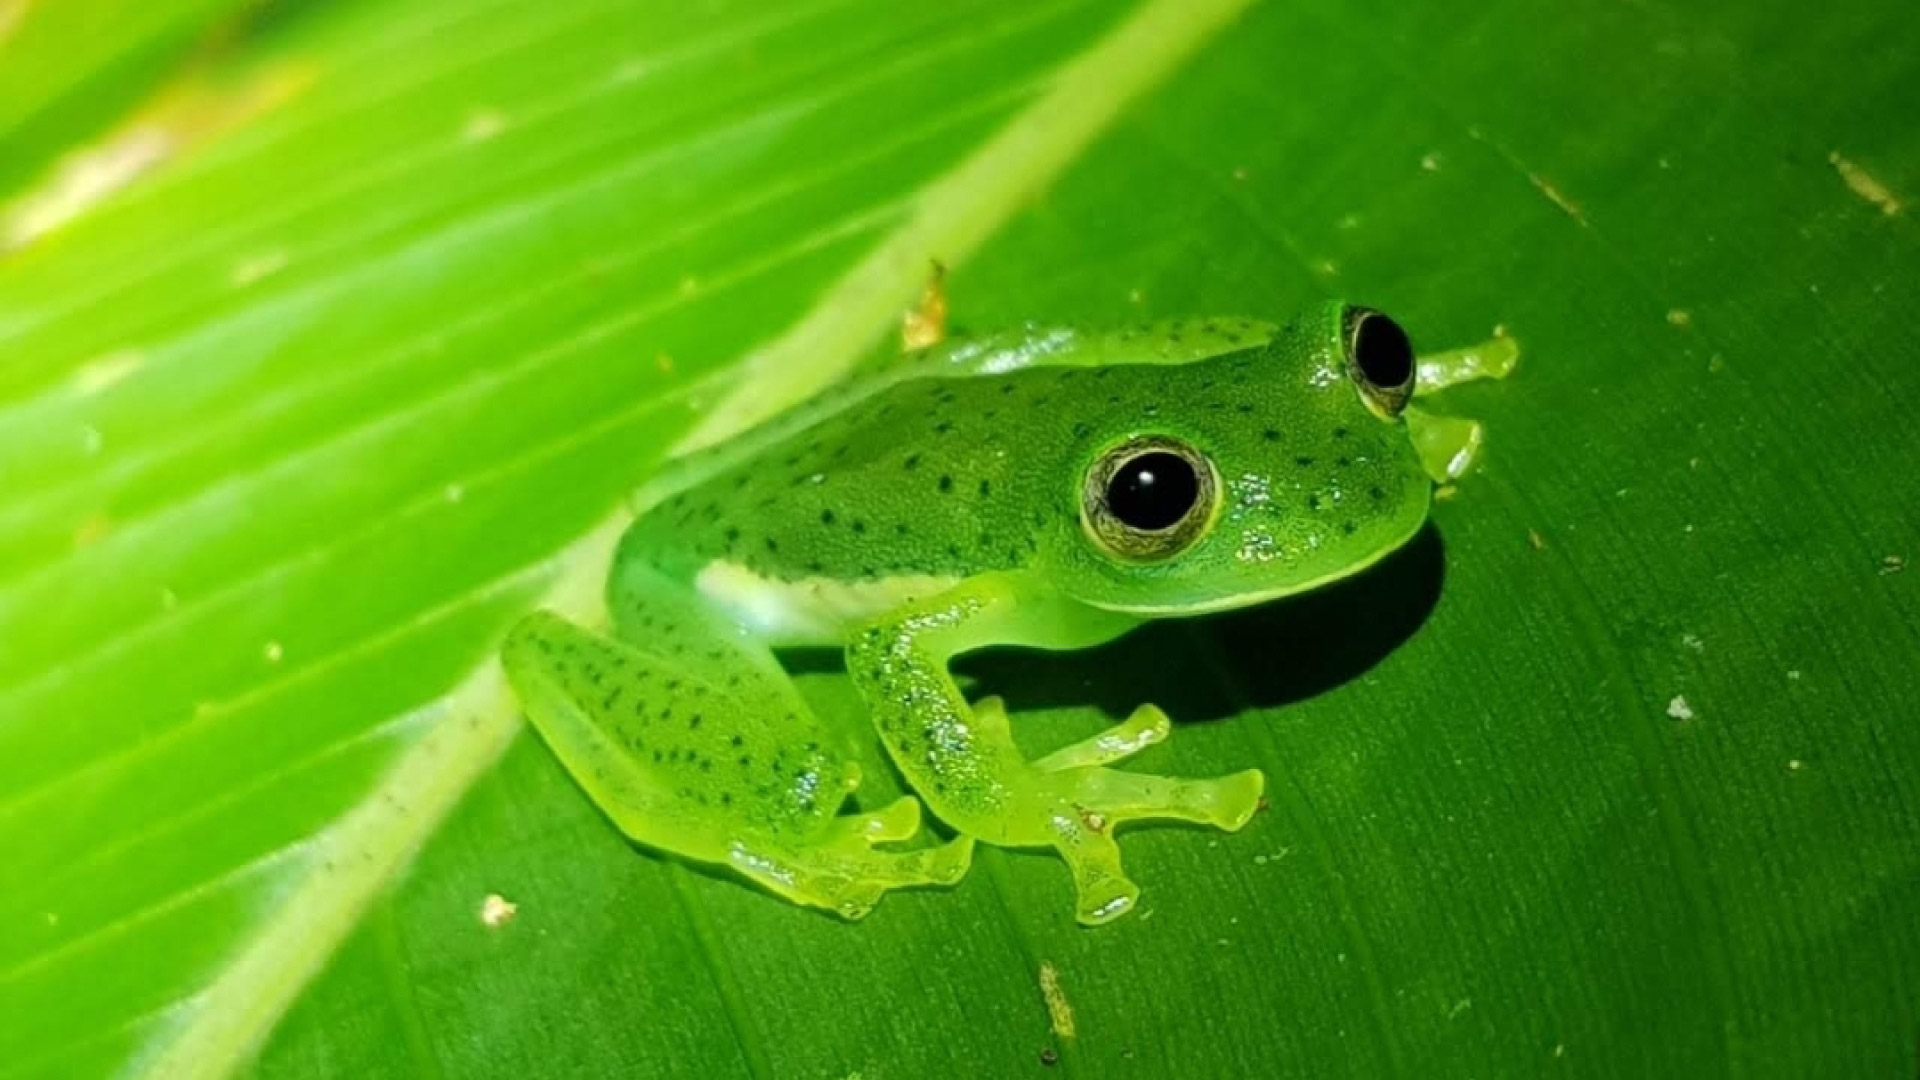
(1254, 475)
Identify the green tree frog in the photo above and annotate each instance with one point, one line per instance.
(1049, 488)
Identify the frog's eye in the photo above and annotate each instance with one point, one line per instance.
(1148, 499)
(1380, 360)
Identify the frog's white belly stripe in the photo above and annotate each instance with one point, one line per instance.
(808, 611)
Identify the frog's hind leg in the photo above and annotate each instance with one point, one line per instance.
(714, 761)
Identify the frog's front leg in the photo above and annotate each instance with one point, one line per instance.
(1449, 445)
(962, 760)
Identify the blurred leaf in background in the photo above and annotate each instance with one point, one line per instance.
(332, 336)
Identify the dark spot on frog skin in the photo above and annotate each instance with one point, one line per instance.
(946, 484)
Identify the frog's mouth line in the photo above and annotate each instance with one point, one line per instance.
(1246, 600)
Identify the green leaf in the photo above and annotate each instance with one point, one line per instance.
(1611, 772)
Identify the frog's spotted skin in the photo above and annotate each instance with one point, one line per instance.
(939, 507)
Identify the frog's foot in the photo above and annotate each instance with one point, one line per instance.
(1447, 445)
(1147, 726)
(1074, 802)
(842, 872)
(1494, 358)
(1083, 812)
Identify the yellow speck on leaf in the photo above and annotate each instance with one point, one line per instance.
(496, 910)
(925, 324)
(258, 268)
(1059, 1012)
(104, 371)
(188, 112)
(1864, 184)
(93, 529)
(1555, 196)
(482, 125)
(11, 12)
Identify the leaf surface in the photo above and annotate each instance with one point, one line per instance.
(1611, 772)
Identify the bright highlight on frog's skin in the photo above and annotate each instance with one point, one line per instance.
(1051, 488)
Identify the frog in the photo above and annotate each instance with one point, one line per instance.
(1044, 487)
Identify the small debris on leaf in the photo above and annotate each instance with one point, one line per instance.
(1059, 1011)
(497, 910)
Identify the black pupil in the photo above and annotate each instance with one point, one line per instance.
(1382, 352)
(1153, 491)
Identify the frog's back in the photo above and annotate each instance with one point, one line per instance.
(934, 478)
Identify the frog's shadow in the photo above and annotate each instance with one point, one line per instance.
(1211, 667)
(1215, 666)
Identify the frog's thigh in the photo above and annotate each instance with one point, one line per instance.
(963, 760)
(740, 775)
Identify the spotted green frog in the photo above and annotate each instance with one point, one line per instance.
(1049, 488)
